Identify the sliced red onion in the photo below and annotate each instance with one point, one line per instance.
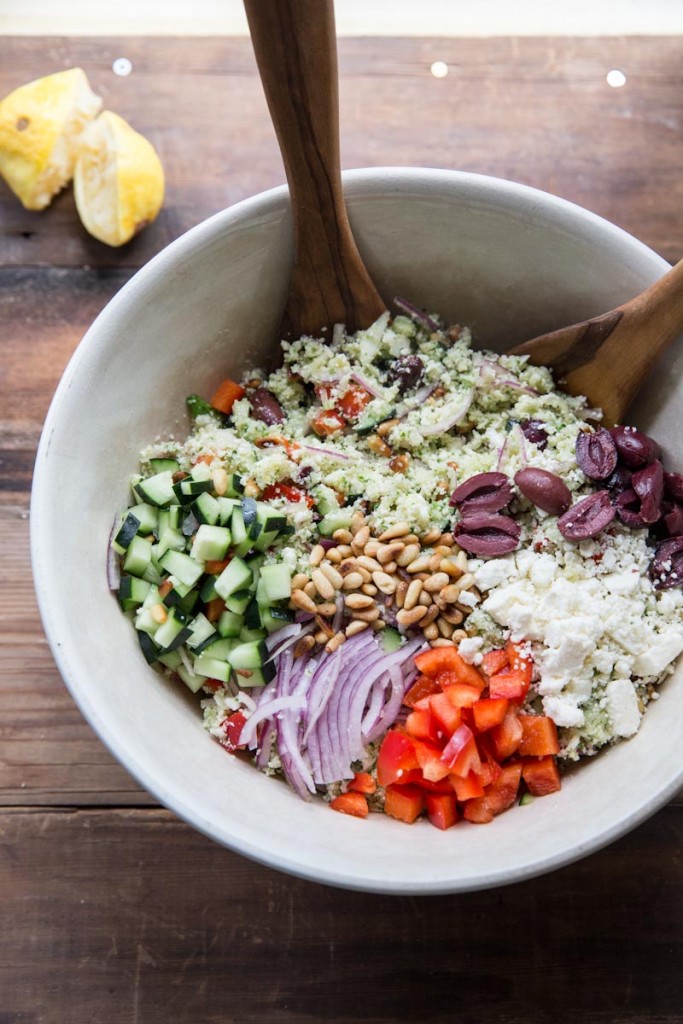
(291, 701)
(451, 418)
(501, 452)
(456, 744)
(280, 635)
(288, 726)
(418, 315)
(500, 372)
(418, 399)
(248, 701)
(113, 564)
(371, 388)
(331, 452)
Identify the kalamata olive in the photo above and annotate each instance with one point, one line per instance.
(546, 490)
(596, 453)
(407, 372)
(266, 407)
(487, 534)
(673, 486)
(627, 504)
(666, 568)
(619, 480)
(484, 492)
(673, 520)
(648, 483)
(534, 431)
(635, 448)
(587, 517)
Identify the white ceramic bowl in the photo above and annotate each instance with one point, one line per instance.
(505, 259)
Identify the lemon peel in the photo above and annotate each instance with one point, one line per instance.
(40, 129)
(118, 180)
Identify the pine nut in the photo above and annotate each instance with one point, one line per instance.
(442, 643)
(434, 563)
(322, 584)
(385, 582)
(432, 613)
(386, 427)
(159, 613)
(245, 672)
(347, 566)
(390, 567)
(431, 537)
(453, 615)
(220, 481)
(336, 641)
(369, 588)
(345, 550)
(412, 538)
(387, 552)
(327, 608)
(442, 550)
(317, 554)
(436, 582)
(431, 631)
(465, 582)
(401, 591)
(419, 565)
(408, 555)
(321, 638)
(461, 560)
(450, 567)
(353, 581)
(460, 634)
(411, 617)
(412, 595)
(379, 447)
(355, 627)
(342, 536)
(304, 645)
(378, 625)
(447, 539)
(445, 628)
(367, 614)
(394, 532)
(450, 594)
(371, 564)
(357, 520)
(302, 601)
(355, 601)
(311, 590)
(324, 626)
(425, 599)
(335, 578)
(360, 540)
(299, 581)
(399, 463)
(334, 555)
(372, 547)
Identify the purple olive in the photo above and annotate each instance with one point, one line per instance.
(266, 407)
(627, 505)
(666, 568)
(484, 492)
(673, 486)
(673, 520)
(407, 372)
(648, 483)
(546, 490)
(596, 453)
(588, 517)
(619, 480)
(534, 431)
(487, 533)
(635, 448)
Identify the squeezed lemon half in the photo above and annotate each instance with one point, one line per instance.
(118, 180)
(40, 130)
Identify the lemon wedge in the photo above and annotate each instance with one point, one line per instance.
(118, 180)
(40, 129)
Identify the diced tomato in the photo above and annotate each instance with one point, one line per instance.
(353, 401)
(213, 567)
(422, 687)
(354, 804)
(462, 695)
(404, 802)
(519, 662)
(232, 727)
(422, 725)
(442, 809)
(506, 737)
(362, 782)
(539, 736)
(396, 757)
(445, 713)
(207, 457)
(467, 787)
(511, 683)
(429, 759)
(214, 608)
(287, 491)
(542, 776)
(214, 685)
(494, 662)
(225, 396)
(446, 665)
(487, 713)
(327, 422)
(497, 797)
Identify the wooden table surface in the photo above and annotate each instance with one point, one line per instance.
(113, 910)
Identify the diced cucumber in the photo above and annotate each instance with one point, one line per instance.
(174, 632)
(169, 540)
(148, 649)
(177, 592)
(171, 659)
(206, 509)
(248, 635)
(186, 604)
(273, 619)
(237, 527)
(152, 573)
(211, 668)
(147, 516)
(226, 507)
(202, 632)
(145, 622)
(192, 680)
(138, 557)
(276, 582)
(230, 624)
(238, 601)
(164, 465)
(157, 490)
(258, 677)
(235, 486)
(211, 543)
(153, 597)
(333, 521)
(188, 489)
(201, 471)
(391, 640)
(325, 499)
(125, 533)
(132, 592)
(249, 655)
(182, 566)
(252, 616)
(174, 513)
(207, 591)
(220, 650)
(235, 576)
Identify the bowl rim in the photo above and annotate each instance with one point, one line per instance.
(358, 184)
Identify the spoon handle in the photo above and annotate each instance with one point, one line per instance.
(295, 47)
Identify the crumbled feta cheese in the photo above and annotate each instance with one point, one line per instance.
(622, 707)
(470, 650)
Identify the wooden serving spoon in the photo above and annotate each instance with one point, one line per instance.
(608, 357)
(295, 47)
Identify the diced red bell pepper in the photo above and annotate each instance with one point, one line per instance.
(506, 737)
(213, 568)
(519, 662)
(225, 396)
(422, 687)
(541, 776)
(511, 683)
(468, 787)
(429, 759)
(416, 778)
(422, 725)
(489, 772)
(539, 736)
(214, 608)
(494, 662)
(497, 797)
(487, 713)
(362, 782)
(354, 804)
(396, 757)
(290, 492)
(442, 809)
(462, 695)
(327, 422)
(232, 728)
(461, 753)
(446, 665)
(445, 713)
(353, 401)
(404, 802)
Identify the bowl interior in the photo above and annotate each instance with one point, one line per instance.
(507, 260)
